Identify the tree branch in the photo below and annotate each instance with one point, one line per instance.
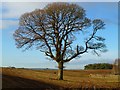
(86, 48)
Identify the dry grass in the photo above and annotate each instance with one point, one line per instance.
(48, 79)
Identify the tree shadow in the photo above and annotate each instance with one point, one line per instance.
(19, 83)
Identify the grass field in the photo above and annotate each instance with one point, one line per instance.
(47, 79)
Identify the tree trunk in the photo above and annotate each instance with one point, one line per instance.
(60, 70)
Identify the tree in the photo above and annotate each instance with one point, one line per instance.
(116, 67)
(53, 29)
(99, 66)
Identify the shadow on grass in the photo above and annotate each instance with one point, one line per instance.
(18, 83)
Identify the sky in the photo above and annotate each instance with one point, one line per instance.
(11, 56)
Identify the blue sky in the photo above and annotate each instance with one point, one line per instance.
(11, 56)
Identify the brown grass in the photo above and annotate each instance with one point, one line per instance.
(47, 79)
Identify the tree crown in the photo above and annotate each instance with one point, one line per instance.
(53, 29)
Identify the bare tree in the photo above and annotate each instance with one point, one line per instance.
(53, 30)
(116, 67)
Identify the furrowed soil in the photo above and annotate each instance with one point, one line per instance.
(25, 79)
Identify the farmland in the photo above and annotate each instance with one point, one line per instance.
(47, 79)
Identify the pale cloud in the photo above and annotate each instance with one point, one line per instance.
(0, 24)
(60, 1)
(13, 10)
(8, 23)
(88, 58)
(107, 57)
(16, 9)
(0, 10)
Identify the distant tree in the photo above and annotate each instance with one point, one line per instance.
(99, 66)
(53, 29)
(116, 67)
(11, 67)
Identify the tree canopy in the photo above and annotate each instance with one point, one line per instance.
(52, 30)
(99, 66)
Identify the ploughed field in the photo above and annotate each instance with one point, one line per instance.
(14, 78)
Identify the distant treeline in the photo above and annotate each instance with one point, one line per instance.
(99, 66)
